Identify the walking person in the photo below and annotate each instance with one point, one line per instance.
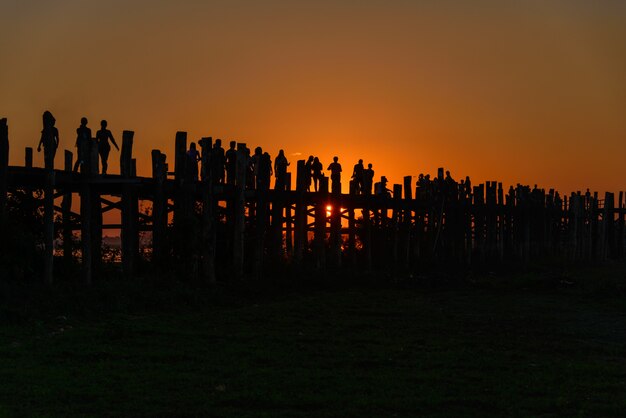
(83, 144)
(49, 140)
(103, 136)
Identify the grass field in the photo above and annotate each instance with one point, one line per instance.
(338, 351)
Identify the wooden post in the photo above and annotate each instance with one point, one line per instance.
(335, 228)
(406, 222)
(319, 233)
(395, 224)
(288, 221)
(240, 211)
(129, 208)
(620, 227)
(300, 233)
(89, 170)
(159, 208)
(181, 206)
(351, 226)
(208, 215)
(48, 222)
(66, 206)
(4, 168)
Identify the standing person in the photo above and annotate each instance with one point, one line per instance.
(308, 172)
(231, 163)
(357, 176)
(368, 180)
(217, 162)
(49, 139)
(193, 156)
(83, 142)
(256, 164)
(280, 170)
(335, 175)
(317, 168)
(265, 172)
(103, 136)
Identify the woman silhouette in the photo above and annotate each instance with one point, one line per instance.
(49, 139)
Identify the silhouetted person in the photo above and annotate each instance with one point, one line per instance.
(368, 180)
(357, 176)
(103, 136)
(335, 175)
(308, 173)
(217, 162)
(265, 172)
(450, 185)
(317, 169)
(83, 144)
(249, 164)
(255, 161)
(49, 140)
(382, 189)
(193, 156)
(280, 170)
(231, 163)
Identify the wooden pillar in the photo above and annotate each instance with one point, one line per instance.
(95, 210)
(208, 215)
(179, 173)
(479, 222)
(66, 207)
(129, 233)
(351, 225)
(319, 233)
(240, 211)
(48, 222)
(300, 229)
(288, 220)
(88, 171)
(335, 229)
(620, 227)
(4, 168)
(395, 224)
(406, 222)
(367, 234)
(159, 208)
(181, 205)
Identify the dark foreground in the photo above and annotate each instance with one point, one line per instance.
(469, 351)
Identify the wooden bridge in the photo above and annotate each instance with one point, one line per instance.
(232, 231)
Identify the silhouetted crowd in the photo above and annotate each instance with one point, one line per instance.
(221, 167)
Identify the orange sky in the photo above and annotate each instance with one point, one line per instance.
(531, 92)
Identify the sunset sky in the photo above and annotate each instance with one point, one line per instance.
(517, 91)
